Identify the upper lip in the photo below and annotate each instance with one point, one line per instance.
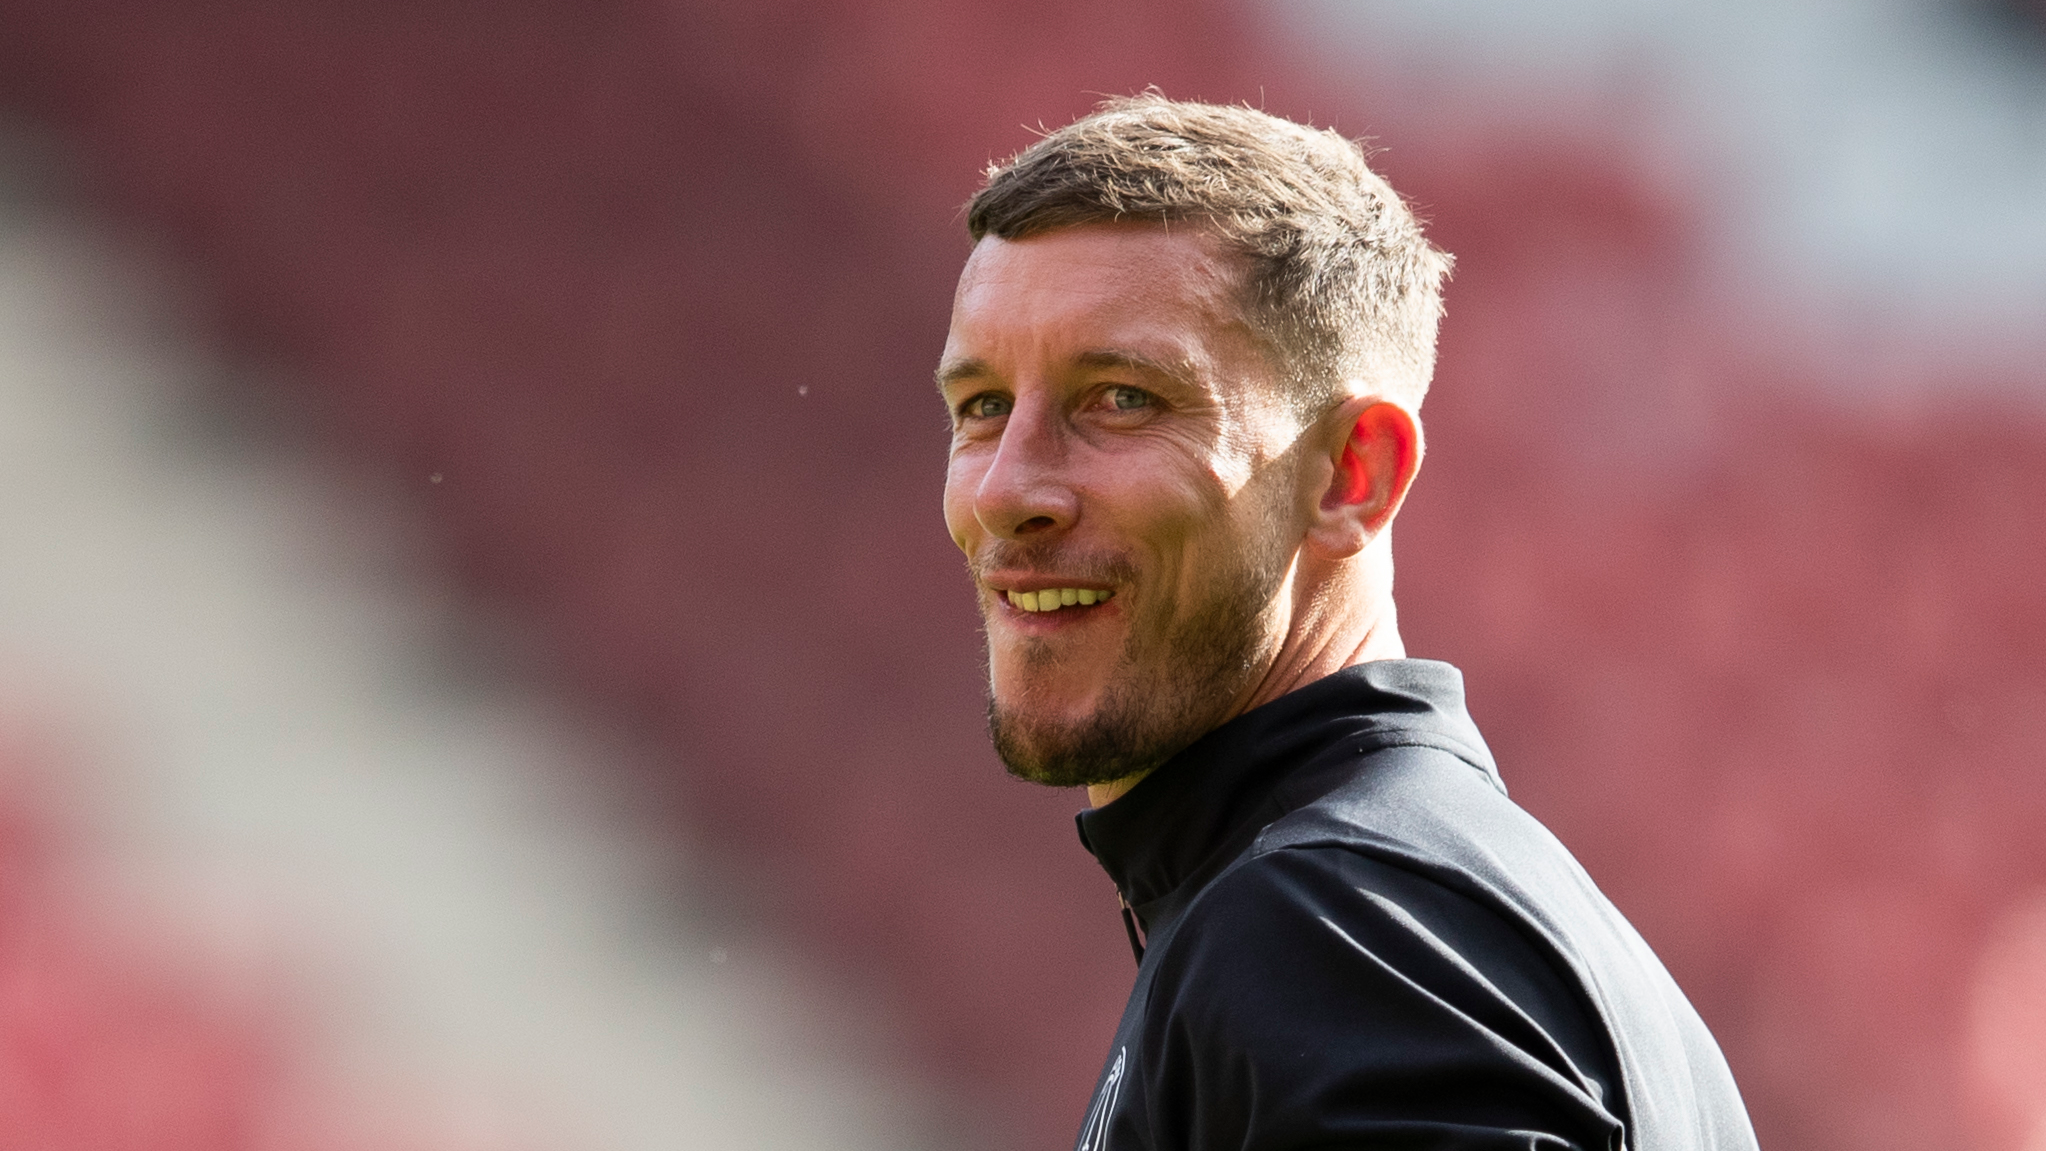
(1003, 582)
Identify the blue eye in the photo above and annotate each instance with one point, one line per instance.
(1126, 398)
(986, 407)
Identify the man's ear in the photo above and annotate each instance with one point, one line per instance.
(1374, 448)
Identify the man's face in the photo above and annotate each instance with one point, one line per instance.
(1117, 438)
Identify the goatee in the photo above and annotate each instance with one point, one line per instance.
(1164, 693)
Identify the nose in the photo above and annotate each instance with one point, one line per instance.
(1026, 490)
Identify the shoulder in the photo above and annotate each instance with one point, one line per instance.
(1338, 993)
(1349, 932)
(1417, 903)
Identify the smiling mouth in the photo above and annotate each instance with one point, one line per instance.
(1054, 598)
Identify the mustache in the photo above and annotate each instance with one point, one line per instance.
(1112, 568)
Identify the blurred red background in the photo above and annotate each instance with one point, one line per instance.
(654, 289)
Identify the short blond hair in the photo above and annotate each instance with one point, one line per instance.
(1340, 283)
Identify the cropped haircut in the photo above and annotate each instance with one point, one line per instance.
(1339, 282)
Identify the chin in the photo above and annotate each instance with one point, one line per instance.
(1106, 737)
(1044, 713)
(1052, 753)
(1025, 683)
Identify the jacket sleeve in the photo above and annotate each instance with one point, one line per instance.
(1313, 997)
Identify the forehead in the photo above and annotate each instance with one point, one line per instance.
(1168, 294)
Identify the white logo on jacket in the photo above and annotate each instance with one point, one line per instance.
(1094, 1135)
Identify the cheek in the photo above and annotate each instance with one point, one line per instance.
(1214, 539)
(961, 480)
(1183, 513)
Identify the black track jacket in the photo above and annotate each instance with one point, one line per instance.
(1355, 940)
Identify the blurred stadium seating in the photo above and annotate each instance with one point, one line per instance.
(633, 306)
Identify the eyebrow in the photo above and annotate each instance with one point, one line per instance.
(958, 370)
(1181, 373)
(974, 369)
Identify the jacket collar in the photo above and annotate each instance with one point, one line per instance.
(1179, 826)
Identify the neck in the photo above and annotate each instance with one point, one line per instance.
(1333, 623)
(1332, 618)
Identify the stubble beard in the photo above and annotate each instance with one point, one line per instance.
(1164, 693)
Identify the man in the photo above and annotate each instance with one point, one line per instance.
(1185, 366)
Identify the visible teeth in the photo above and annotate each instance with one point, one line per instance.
(1052, 599)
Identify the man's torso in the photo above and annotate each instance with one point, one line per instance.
(1357, 939)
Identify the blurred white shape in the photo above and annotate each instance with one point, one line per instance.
(1875, 167)
(427, 880)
